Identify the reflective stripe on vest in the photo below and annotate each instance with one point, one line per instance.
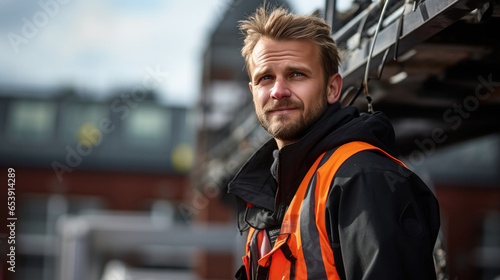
(302, 250)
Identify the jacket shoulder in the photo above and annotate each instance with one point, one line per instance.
(369, 160)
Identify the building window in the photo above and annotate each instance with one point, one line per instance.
(147, 126)
(77, 116)
(31, 120)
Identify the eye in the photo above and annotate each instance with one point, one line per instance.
(297, 74)
(264, 78)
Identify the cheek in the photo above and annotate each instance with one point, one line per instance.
(257, 104)
(314, 99)
(311, 94)
(259, 98)
(255, 98)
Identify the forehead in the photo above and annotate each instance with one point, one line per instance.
(269, 51)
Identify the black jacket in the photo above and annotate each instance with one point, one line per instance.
(382, 220)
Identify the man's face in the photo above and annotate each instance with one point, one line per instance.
(288, 87)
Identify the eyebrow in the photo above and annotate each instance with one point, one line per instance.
(292, 68)
(299, 69)
(260, 72)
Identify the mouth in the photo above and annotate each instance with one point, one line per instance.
(283, 110)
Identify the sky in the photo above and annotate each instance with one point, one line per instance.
(97, 46)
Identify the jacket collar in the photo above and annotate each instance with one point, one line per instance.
(254, 182)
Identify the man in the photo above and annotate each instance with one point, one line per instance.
(324, 199)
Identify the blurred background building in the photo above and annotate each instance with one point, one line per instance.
(122, 155)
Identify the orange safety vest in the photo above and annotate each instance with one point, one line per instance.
(302, 250)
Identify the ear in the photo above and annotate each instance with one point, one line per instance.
(250, 86)
(334, 88)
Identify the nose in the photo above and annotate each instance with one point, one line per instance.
(280, 89)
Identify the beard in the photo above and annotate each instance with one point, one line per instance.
(290, 128)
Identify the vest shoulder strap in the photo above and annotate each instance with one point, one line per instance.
(349, 149)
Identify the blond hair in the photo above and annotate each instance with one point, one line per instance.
(279, 24)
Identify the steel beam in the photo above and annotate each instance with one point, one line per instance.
(85, 238)
(427, 19)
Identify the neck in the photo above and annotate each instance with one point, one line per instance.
(282, 143)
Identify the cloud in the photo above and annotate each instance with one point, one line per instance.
(99, 45)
